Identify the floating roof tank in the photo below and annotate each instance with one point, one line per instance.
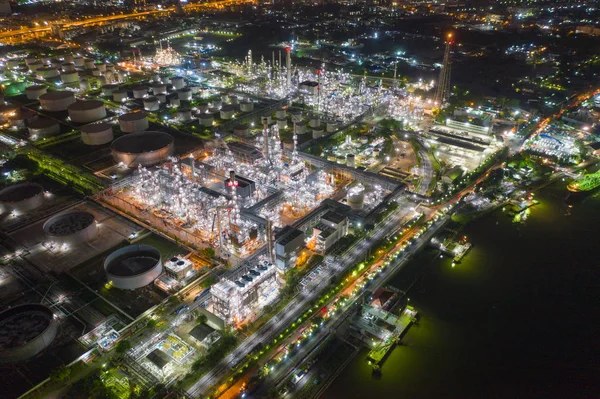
(43, 127)
(57, 100)
(21, 198)
(133, 122)
(34, 92)
(97, 133)
(71, 228)
(134, 266)
(87, 111)
(145, 148)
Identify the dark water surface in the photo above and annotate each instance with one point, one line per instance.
(518, 318)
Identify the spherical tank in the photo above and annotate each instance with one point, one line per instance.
(71, 228)
(142, 148)
(87, 111)
(34, 92)
(43, 127)
(25, 331)
(97, 133)
(133, 267)
(133, 122)
(21, 197)
(56, 100)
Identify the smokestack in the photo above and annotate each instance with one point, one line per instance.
(272, 59)
(232, 177)
(288, 63)
(265, 139)
(269, 232)
(279, 65)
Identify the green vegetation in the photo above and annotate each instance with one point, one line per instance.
(123, 346)
(588, 182)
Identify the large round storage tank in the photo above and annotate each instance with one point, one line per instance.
(30, 60)
(227, 111)
(241, 130)
(25, 331)
(34, 92)
(78, 61)
(95, 72)
(162, 98)
(21, 198)
(56, 63)
(280, 113)
(356, 197)
(12, 63)
(43, 127)
(108, 89)
(139, 91)
(133, 122)
(71, 228)
(267, 117)
(89, 63)
(301, 127)
(158, 88)
(97, 133)
(332, 126)
(185, 94)
(156, 77)
(184, 114)
(57, 100)
(120, 95)
(233, 100)
(101, 66)
(296, 115)
(165, 78)
(317, 133)
(33, 67)
(134, 266)
(216, 103)
(143, 148)
(315, 122)
(67, 67)
(47, 72)
(87, 111)
(68, 57)
(282, 123)
(350, 160)
(174, 100)
(178, 82)
(84, 84)
(207, 119)
(151, 104)
(69, 77)
(246, 106)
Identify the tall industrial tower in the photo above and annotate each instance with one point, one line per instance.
(442, 91)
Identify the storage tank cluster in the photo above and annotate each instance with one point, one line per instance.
(133, 267)
(151, 104)
(43, 127)
(34, 92)
(142, 148)
(21, 198)
(133, 122)
(71, 228)
(25, 331)
(87, 111)
(55, 101)
(97, 133)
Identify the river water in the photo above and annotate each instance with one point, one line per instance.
(518, 318)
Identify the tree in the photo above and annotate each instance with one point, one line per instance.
(61, 373)
(202, 319)
(208, 252)
(123, 346)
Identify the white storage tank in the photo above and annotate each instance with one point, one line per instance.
(21, 198)
(178, 82)
(122, 76)
(296, 115)
(33, 67)
(351, 160)
(89, 63)
(139, 91)
(233, 100)
(120, 95)
(162, 98)
(84, 84)
(174, 100)
(78, 61)
(133, 267)
(57, 100)
(301, 127)
(101, 66)
(156, 77)
(30, 60)
(206, 119)
(267, 117)
(97, 133)
(69, 77)
(158, 88)
(356, 197)
(185, 94)
(317, 133)
(151, 104)
(71, 228)
(280, 113)
(102, 79)
(227, 111)
(95, 72)
(67, 67)
(34, 92)
(165, 78)
(246, 106)
(184, 114)
(142, 148)
(216, 103)
(332, 126)
(133, 122)
(109, 89)
(12, 63)
(282, 123)
(46, 60)
(241, 130)
(43, 127)
(315, 122)
(68, 58)
(87, 111)
(203, 108)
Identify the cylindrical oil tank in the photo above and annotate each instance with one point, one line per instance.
(68, 58)
(174, 100)
(162, 98)
(43, 127)
(340, 159)
(95, 72)
(351, 160)
(206, 119)
(109, 89)
(301, 127)
(87, 111)
(233, 100)
(133, 267)
(139, 91)
(101, 66)
(151, 104)
(84, 84)
(282, 123)
(35, 66)
(120, 95)
(71, 228)
(280, 113)
(110, 68)
(34, 92)
(356, 197)
(332, 126)
(296, 115)
(315, 122)
(54, 63)
(267, 117)
(26, 331)
(178, 82)
(12, 63)
(241, 130)
(142, 148)
(133, 122)
(46, 60)
(184, 114)
(185, 94)
(69, 77)
(216, 103)
(166, 79)
(317, 133)
(122, 76)
(227, 111)
(30, 60)
(202, 108)
(246, 106)
(156, 77)
(224, 98)
(56, 100)
(79, 61)
(102, 79)
(89, 63)
(21, 198)
(68, 67)
(158, 88)
(97, 133)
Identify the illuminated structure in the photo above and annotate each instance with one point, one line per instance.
(166, 57)
(443, 87)
(236, 299)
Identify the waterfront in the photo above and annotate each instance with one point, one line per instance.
(517, 318)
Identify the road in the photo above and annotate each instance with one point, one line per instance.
(295, 307)
(426, 172)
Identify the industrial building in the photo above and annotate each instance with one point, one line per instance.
(236, 299)
(179, 268)
(205, 335)
(330, 229)
(244, 187)
(244, 152)
(288, 243)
